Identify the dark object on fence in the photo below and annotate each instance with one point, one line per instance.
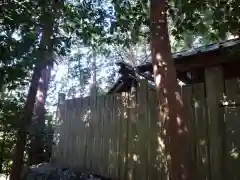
(191, 61)
(47, 171)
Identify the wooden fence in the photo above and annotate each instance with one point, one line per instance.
(119, 136)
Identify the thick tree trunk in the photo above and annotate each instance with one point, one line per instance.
(36, 152)
(42, 61)
(170, 103)
(22, 133)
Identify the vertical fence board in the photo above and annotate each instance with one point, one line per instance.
(101, 131)
(89, 138)
(93, 132)
(122, 138)
(74, 123)
(71, 135)
(156, 160)
(119, 135)
(214, 91)
(58, 133)
(142, 132)
(96, 131)
(231, 117)
(112, 142)
(187, 95)
(85, 117)
(66, 135)
(80, 134)
(105, 162)
(201, 125)
(116, 137)
(194, 102)
(131, 131)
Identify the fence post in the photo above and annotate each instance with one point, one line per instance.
(61, 98)
(56, 155)
(214, 92)
(60, 108)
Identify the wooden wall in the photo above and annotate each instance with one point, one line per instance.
(119, 136)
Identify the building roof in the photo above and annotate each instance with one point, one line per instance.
(206, 48)
(185, 61)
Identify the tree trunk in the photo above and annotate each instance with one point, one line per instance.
(94, 85)
(22, 133)
(169, 97)
(42, 61)
(49, 142)
(2, 151)
(36, 152)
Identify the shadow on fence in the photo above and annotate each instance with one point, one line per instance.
(120, 136)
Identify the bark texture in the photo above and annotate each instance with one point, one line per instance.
(169, 97)
(36, 151)
(43, 59)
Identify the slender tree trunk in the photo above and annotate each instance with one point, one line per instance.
(2, 151)
(36, 152)
(49, 142)
(1, 82)
(94, 86)
(169, 95)
(42, 61)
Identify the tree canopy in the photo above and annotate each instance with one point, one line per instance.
(108, 26)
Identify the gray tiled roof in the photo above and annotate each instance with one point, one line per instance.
(207, 48)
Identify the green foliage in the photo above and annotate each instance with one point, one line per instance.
(213, 20)
(131, 21)
(11, 105)
(216, 18)
(93, 24)
(21, 30)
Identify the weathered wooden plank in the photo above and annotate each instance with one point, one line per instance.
(58, 133)
(114, 139)
(141, 158)
(214, 91)
(105, 140)
(201, 125)
(72, 135)
(95, 133)
(194, 103)
(82, 139)
(119, 136)
(101, 123)
(157, 158)
(124, 141)
(89, 126)
(232, 124)
(93, 106)
(111, 135)
(114, 131)
(74, 122)
(233, 90)
(131, 129)
(85, 117)
(79, 134)
(66, 136)
(188, 102)
(123, 137)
